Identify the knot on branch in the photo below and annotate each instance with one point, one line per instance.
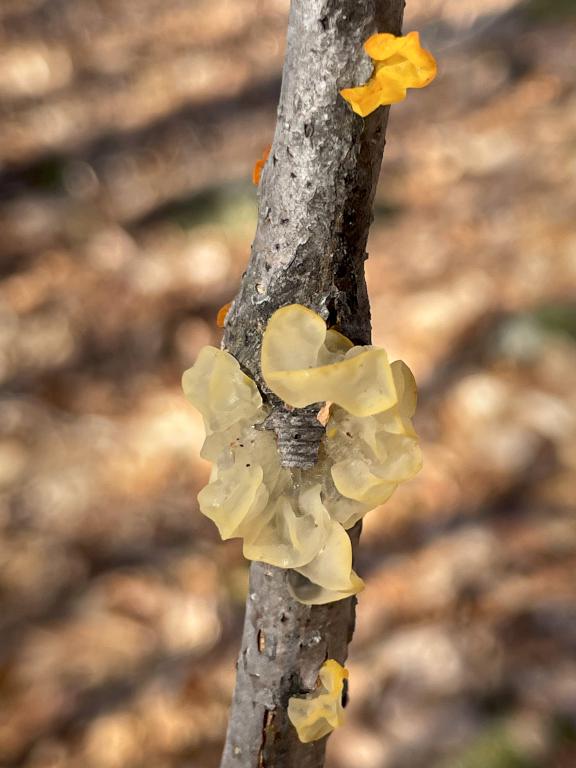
(298, 434)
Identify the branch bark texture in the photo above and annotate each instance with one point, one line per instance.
(315, 211)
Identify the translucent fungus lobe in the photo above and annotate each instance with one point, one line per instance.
(316, 714)
(399, 63)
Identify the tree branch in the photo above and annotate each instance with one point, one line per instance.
(315, 211)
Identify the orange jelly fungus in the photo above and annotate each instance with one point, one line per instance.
(399, 63)
(221, 316)
(259, 165)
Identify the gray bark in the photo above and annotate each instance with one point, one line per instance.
(315, 211)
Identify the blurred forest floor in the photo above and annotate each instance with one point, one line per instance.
(128, 130)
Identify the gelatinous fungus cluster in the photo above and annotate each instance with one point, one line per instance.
(298, 518)
(399, 63)
(316, 714)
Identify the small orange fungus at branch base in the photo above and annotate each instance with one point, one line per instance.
(259, 165)
(399, 63)
(221, 316)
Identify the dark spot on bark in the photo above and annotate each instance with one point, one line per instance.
(345, 695)
(344, 278)
(324, 23)
(332, 318)
(308, 130)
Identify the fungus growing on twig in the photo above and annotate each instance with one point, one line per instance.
(399, 63)
(316, 714)
(222, 313)
(297, 518)
(303, 363)
(220, 390)
(373, 455)
(259, 165)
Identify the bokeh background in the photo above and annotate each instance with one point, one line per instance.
(128, 132)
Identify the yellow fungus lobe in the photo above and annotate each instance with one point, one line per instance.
(316, 714)
(372, 456)
(221, 391)
(399, 63)
(259, 165)
(303, 363)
